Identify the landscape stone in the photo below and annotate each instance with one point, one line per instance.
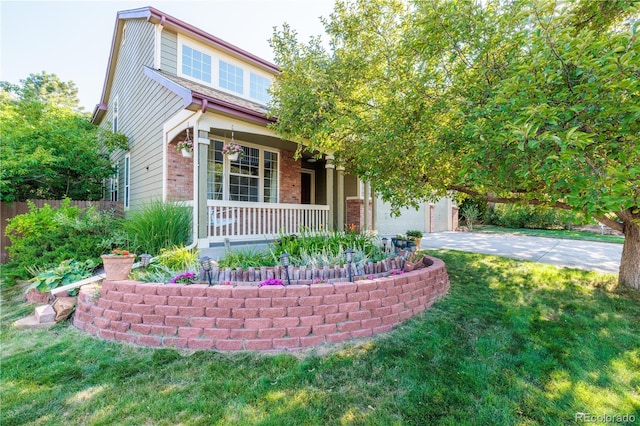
(45, 313)
(64, 307)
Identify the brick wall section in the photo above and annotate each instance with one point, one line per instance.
(179, 173)
(355, 213)
(290, 181)
(269, 318)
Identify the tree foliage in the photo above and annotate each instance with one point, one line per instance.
(530, 101)
(48, 150)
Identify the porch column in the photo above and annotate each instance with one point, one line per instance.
(340, 201)
(329, 166)
(201, 200)
(366, 206)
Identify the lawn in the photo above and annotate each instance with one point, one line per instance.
(513, 343)
(552, 233)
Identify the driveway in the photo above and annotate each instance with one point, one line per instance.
(589, 255)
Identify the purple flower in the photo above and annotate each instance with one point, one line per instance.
(271, 281)
(184, 278)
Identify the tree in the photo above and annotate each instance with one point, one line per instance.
(527, 101)
(45, 88)
(48, 151)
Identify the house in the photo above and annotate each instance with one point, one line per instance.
(168, 82)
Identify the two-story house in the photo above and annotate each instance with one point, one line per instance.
(167, 82)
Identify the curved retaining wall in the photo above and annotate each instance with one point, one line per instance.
(241, 317)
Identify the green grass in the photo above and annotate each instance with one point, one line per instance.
(513, 343)
(552, 233)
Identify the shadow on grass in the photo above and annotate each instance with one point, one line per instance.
(513, 343)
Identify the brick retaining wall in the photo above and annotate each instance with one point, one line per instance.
(246, 317)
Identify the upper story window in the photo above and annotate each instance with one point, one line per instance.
(196, 64)
(231, 78)
(258, 88)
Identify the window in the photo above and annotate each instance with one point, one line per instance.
(258, 89)
(253, 177)
(113, 184)
(244, 176)
(127, 172)
(196, 64)
(270, 177)
(115, 114)
(215, 171)
(231, 77)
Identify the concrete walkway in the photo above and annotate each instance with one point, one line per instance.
(588, 255)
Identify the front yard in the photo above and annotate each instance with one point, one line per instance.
(512, 343)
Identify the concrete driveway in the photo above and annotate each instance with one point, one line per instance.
(588, 255)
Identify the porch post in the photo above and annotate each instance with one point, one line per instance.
(203, 213)
(340, 200)
(366, 205)
(329, 166)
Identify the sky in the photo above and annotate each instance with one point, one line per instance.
(72, 39)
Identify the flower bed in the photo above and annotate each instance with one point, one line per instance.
(244, 316)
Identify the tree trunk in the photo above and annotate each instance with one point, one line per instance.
(629, 275)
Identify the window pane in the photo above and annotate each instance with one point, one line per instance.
(231, 77)
(270, 177)
(215, 171)
(196, 64)
(259, 86)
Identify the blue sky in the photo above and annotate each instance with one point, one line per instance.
(73, 38)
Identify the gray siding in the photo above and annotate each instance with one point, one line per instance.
(169, 52)
(144, 106)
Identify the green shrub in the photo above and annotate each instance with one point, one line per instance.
(68, 272)
(414, 233)
(44, 237)
(247, 258)
(330, 242)
(168, 264)
(159, 225)
(471, 213)
(178, 259)
(534, 217)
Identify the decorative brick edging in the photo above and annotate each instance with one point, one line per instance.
(248, 317)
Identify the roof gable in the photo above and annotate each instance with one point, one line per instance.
(171, 23)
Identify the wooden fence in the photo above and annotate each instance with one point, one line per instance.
(10, 210)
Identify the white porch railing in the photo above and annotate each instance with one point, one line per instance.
(239, 220)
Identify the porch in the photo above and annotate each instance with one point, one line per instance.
(246, 221)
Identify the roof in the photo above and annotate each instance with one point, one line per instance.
(210, 98)
(158, 17)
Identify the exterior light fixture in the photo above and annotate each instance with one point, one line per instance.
(348, 256)
(284, 259)
(145, 260)
(205, 262)
(385, 240)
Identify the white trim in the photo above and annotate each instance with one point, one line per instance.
(157, 55)
(114, 113)
(313, 183)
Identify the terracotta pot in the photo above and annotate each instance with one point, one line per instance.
(117, 268)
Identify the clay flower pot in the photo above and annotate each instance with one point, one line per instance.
(117, 267)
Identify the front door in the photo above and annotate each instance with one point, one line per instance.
(307, 195)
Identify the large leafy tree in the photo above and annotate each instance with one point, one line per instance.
(528, 101)
(48, 150)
